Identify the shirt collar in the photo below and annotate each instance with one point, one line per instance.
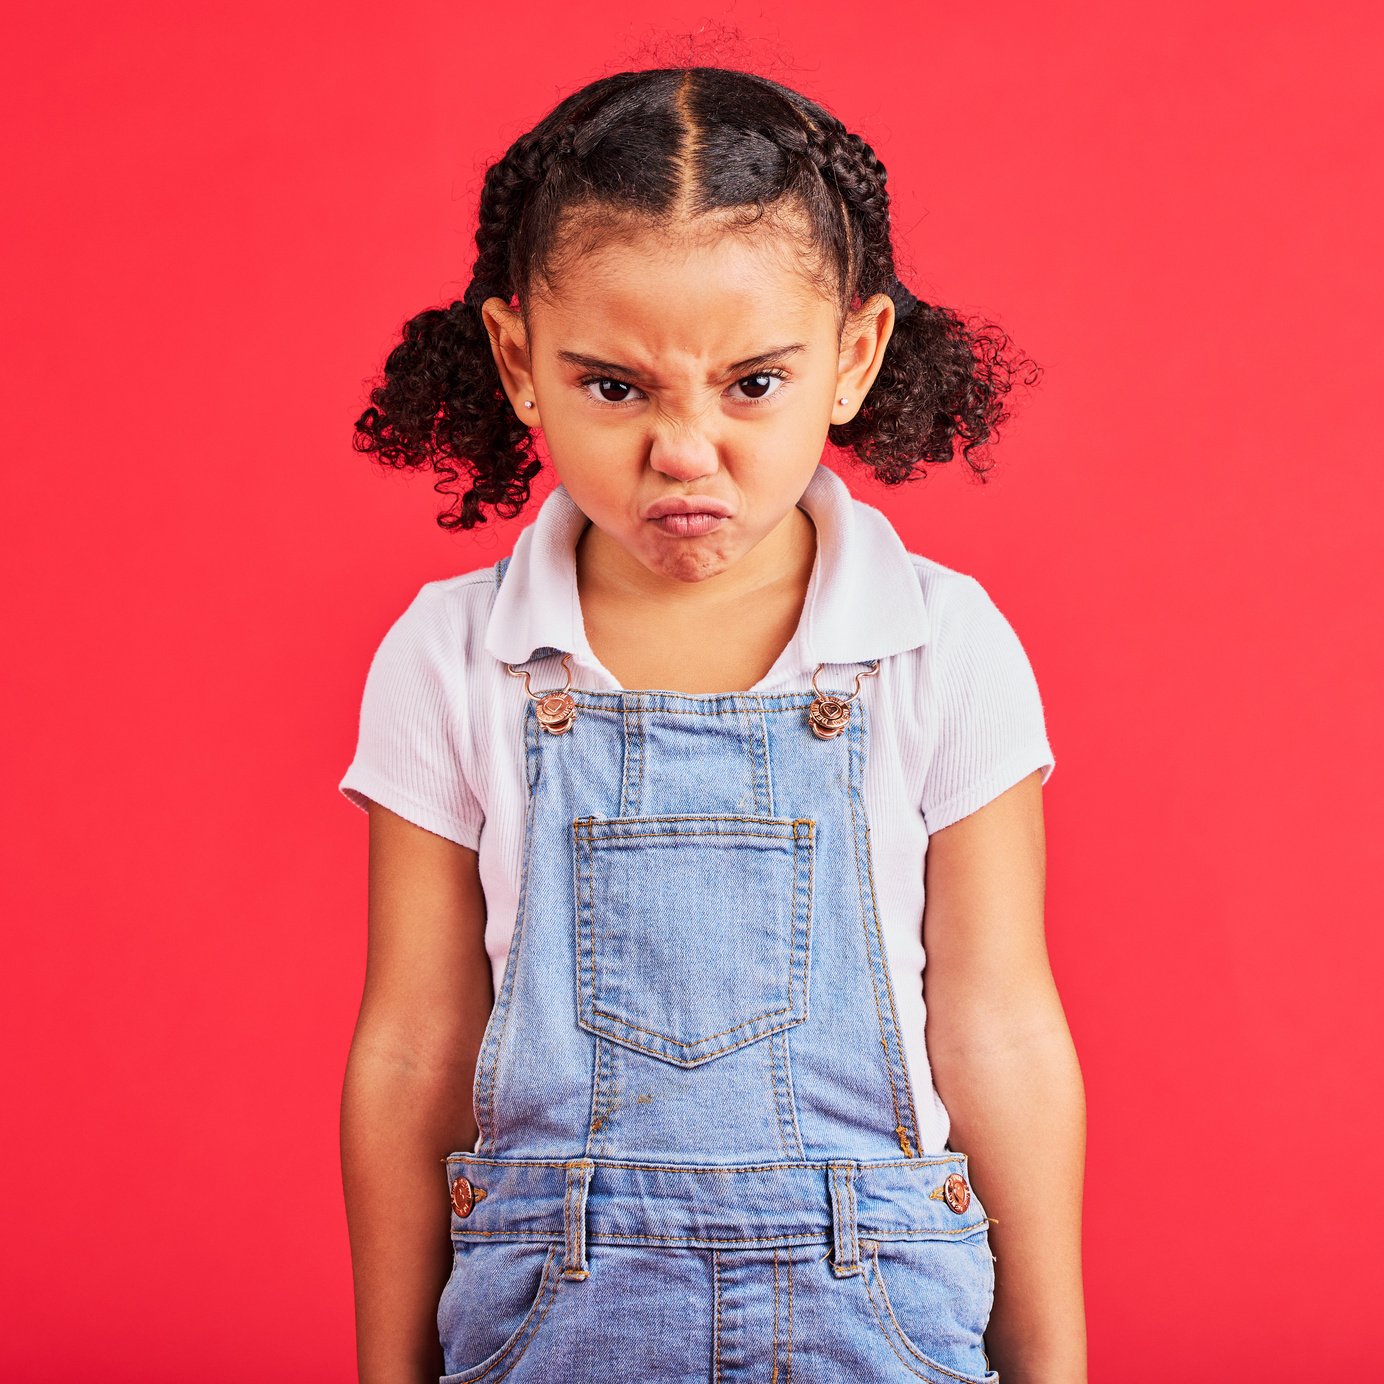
(863, 601)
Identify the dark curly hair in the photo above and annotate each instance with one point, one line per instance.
(653, 147)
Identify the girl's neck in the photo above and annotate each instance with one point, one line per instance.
(722, 634)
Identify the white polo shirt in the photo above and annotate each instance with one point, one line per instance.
(955, 718)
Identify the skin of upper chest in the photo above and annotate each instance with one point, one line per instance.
(720, 651)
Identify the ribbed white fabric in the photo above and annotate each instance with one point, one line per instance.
(956, 716)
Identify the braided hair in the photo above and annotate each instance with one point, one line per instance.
(656, 147)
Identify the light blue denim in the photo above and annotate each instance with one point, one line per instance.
(698, 1155)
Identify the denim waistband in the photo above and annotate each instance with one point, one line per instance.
(837, 1201)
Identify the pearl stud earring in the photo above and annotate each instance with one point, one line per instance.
(842, 399)
(528, 403)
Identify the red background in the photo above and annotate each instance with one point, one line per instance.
(218, 217)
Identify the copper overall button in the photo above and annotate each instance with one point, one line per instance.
(955, 1193)
(465, 1195)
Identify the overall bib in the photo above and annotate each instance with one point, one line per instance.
(698, 1157)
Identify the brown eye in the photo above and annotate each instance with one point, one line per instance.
(613, 392)
(761, 386)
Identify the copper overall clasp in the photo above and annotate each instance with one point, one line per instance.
(828, 715)
(555, 710)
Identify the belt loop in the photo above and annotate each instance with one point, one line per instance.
(845, 1247)
(574, 1218)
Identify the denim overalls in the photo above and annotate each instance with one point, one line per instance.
(698, 1155)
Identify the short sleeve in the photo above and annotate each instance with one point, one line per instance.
(990, 726)
(409, 750)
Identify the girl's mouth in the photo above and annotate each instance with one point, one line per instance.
(688, 523)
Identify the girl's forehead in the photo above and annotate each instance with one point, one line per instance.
(771, 255)
(712, 289)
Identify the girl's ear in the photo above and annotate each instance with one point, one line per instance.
(863, 342)
(509, 344)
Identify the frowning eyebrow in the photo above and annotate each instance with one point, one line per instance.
(627, 372)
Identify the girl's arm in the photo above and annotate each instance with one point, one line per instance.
(1005, 1066)
(406, 1098)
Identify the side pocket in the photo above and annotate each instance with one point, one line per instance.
(932, 1300)
(693, 933)
(493, 1305)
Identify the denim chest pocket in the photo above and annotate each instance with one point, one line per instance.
(693, 933)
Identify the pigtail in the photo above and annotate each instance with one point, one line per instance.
(943, 382)
(441, 406)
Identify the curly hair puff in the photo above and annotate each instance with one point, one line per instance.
(657, 145)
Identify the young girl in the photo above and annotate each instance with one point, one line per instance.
(664, 808)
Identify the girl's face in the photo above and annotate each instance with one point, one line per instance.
(684, 387)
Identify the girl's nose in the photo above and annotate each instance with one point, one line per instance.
(685, 456)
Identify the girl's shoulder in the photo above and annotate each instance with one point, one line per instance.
(448, 615)
(953, 598)
(975, 696)
(967, 629)
(462, 591)
(419, 751)
(954, 601)
(935, 577)
(437, 639)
